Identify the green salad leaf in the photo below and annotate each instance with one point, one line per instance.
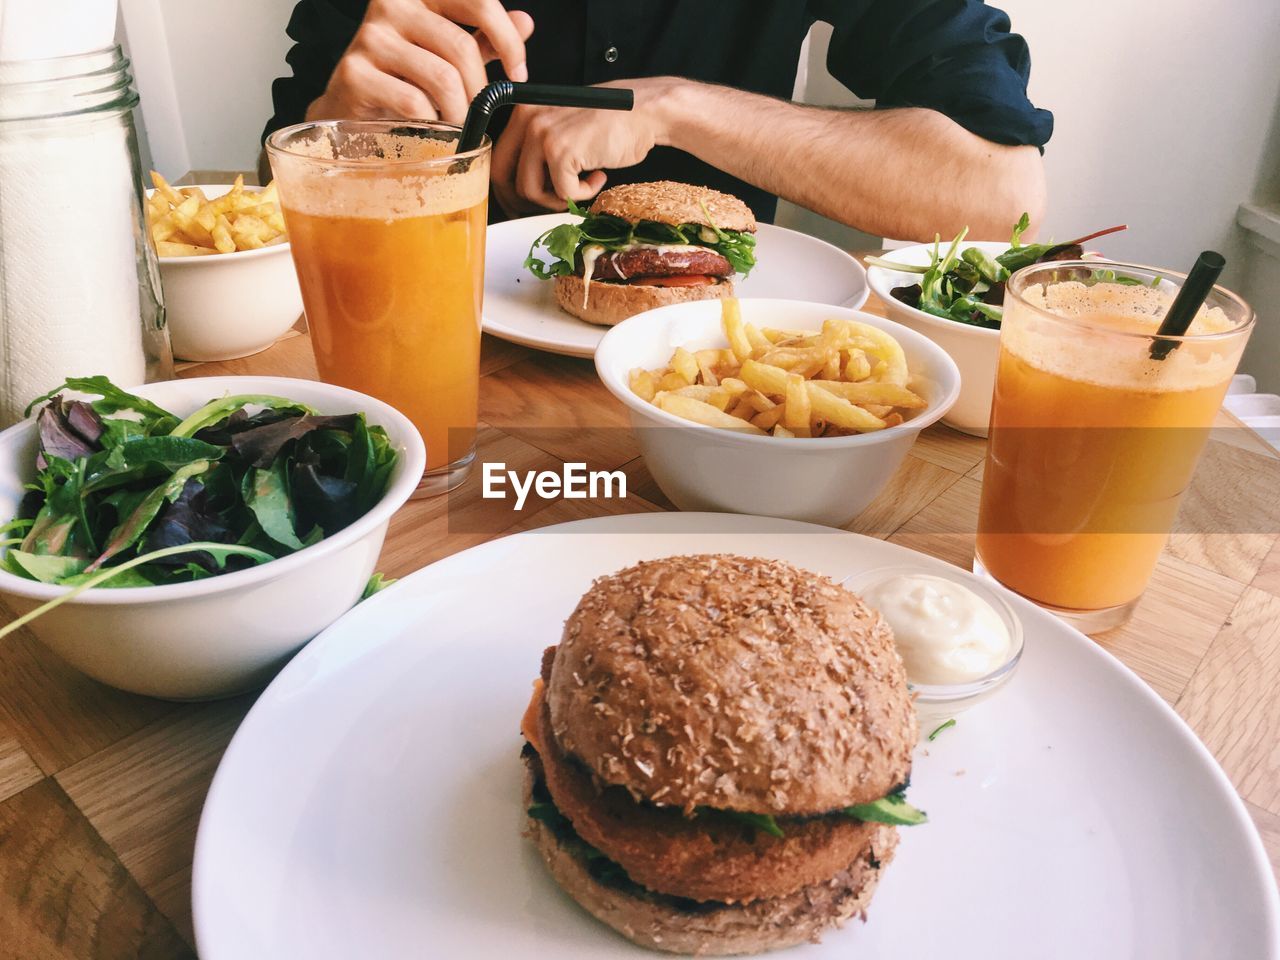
(377, 583)
(890, 809)
(759, 821)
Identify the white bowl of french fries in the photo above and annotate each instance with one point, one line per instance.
(225, 265)
(777, 408)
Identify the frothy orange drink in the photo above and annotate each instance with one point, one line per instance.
(1093, 441)
(388, 243)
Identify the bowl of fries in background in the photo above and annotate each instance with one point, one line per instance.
(229, 285)
(974, 349)
(777, 408)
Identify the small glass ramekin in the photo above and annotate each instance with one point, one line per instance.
(938, 702)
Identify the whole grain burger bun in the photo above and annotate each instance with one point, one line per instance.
(732, 682)
(611, 303)
(665, 201)
(710, 929)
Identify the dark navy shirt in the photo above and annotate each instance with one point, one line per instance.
(953, 56)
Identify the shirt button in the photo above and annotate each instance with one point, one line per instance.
(611, 55)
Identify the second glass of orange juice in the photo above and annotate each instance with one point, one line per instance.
(387, 229)
(1094, 435)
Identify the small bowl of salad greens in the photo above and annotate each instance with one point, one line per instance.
(953, 293)
(184, 539)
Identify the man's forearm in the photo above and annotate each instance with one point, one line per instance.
(905, 173)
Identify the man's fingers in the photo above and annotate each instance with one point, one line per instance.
(531, 176)
(434, 75)
(567, 179)
(502, 35)
(448, 41)
(367, 90)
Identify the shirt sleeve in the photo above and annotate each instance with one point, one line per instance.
(954, 56)
(321, 30)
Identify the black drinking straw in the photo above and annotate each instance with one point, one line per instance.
(1187, 303)
(502, 93)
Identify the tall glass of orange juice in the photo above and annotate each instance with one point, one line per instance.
(1094, 435)
(387, 229)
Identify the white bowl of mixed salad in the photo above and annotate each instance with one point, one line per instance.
(953, 294)
(184, 539)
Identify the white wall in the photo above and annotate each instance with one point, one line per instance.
(204, 73)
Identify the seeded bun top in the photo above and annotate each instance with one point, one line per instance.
(735, 683)
(666, 201)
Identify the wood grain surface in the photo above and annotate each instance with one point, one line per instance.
(100, 791)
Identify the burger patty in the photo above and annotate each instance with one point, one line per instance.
(710, 857)
(657, 262)
(821, 900)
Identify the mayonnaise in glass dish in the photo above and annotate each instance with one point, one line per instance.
(945, 632)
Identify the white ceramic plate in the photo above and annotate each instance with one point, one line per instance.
(369, 806)
(521, 308)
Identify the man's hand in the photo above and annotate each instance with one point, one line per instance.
(412, 59)
(549, 154)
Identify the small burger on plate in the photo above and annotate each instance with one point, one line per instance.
(716, 754)
(645, 245)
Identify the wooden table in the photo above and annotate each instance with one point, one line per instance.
(100, 790)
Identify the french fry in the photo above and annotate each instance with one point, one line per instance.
(731, 321)
(780, 431)
(759, 401)
(685, 363)
(742, 409)
(672, 381)
(791, 358)
(888, 394)
(221, 234)
(716, 396)
(837, 410)
(831, 369)
(768, 379)
(773, 334)
(163, 228)
(167, 248)
(191, 230)
(796, 416)
(643, 384)
(164, 190)
(890, 352)
(768, 419)
(759, 342)
(249, 233)
(707, 372)
(858, 367)
(699, 412)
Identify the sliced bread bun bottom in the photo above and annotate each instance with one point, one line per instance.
(608, 304)
(713, 930)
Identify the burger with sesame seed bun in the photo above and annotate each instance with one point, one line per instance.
(645, 245)
(717, 753)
